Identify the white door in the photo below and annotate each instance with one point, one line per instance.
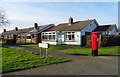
(59, 38)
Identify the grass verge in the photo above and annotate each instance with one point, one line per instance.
(17, 59)
(87, 51)
(52, 47)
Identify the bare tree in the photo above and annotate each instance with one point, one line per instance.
(3, 19)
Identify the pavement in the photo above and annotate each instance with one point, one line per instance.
(80, 65)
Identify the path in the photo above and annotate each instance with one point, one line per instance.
(80, 65)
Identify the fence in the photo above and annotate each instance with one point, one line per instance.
(105, 40)
(110, 40)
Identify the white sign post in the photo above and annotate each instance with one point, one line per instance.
(43, 45)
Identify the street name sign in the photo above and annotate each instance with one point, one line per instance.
(44, 45)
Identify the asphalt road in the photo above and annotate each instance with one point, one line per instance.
(80, 65)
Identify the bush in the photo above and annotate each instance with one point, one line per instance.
(110, 40)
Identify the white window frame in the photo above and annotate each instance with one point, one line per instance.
(70, 33)
(48, 34)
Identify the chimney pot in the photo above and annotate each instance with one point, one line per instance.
(70, 20)
(16, 28)
(35, 25)
(4, 30)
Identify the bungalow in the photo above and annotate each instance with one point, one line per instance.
(26, 34)
(107, 29)
(69, 33)
(20, 35)
(118, 31)
(36, 32)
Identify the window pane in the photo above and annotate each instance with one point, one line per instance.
(33, 36)
(73, 38)
(7, 36)
(69, 36)
(50, 37)
(18, 36)
(69, 32)
(53, 37)
(45, 37)
(28, 37)
(73, 33)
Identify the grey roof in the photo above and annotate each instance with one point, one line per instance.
(76, 26)
(40, 28)
(105, 27)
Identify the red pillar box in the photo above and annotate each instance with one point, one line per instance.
(95, 38)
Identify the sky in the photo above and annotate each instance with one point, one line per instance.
(25, 14)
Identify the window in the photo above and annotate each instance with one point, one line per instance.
(70, 36)
(19, 36)
(28, 37)
(48, 36)
(8, 36)
(23, 37)
(33, 35)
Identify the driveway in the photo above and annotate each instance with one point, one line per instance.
(80, 65)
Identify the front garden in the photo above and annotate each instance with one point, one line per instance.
(52, 47)
(87, 51)
(17, 59)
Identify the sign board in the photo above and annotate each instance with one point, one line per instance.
(43, 45)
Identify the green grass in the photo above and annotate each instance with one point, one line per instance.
(87, 51)
(17, 59)
(0, 42)
(52, 47)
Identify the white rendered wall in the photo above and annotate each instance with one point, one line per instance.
(89, 28)
(113, 32)
(77, 39)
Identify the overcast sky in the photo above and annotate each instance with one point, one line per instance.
(24, 14)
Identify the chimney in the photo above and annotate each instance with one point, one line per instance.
(16, 28)
(35, 25)
(4, 30)
(70, 21)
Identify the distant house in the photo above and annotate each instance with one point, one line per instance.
(21, 35)
(107, 29)
(118, 31)
(26, 34)
(69, 33)
(36, 32)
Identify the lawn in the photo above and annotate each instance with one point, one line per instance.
(87, 51)
(1, 42)
(17, 59)
(52, 47)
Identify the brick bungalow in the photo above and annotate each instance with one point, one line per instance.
(24, 35)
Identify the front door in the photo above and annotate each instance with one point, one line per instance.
(59, 38)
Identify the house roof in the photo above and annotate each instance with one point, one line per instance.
(27, 30)
(19, 31)
(76, 26)
(118, 30)
(40, 28)
(105, 27)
